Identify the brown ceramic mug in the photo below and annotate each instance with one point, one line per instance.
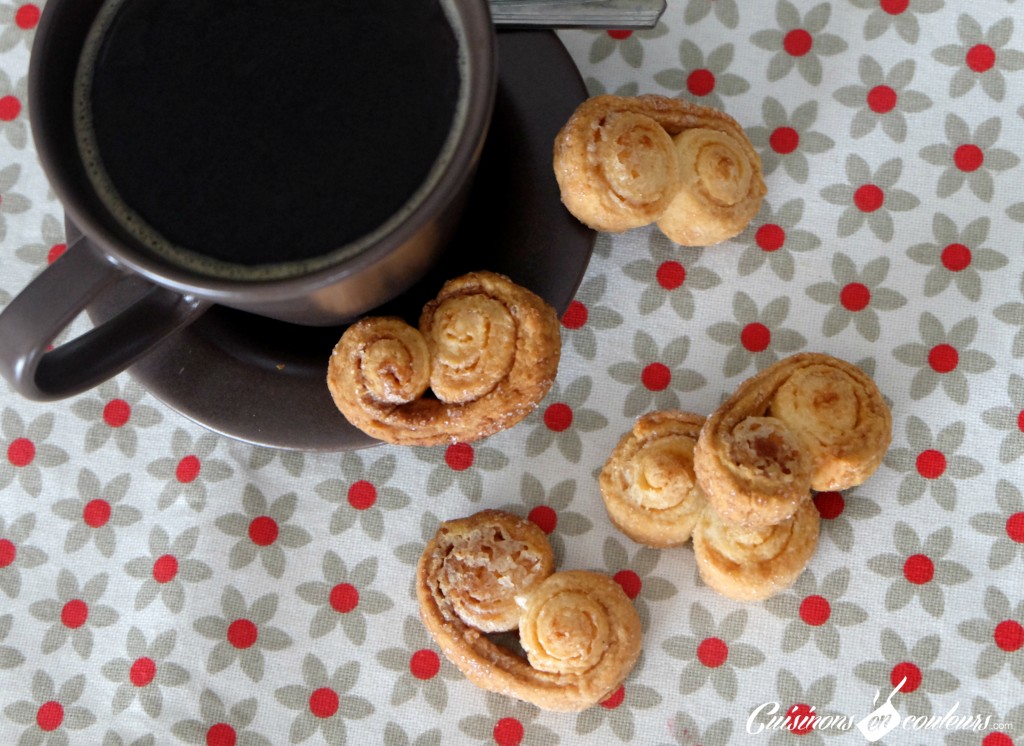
(369, 271)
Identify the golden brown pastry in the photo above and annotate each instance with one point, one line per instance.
(622, 162)
(580, 630)
(488, 348)
(648, 483)
(839, 414)
(721, 189)
(749, 564)
(810, 421)
(481, 563)
(754, 470)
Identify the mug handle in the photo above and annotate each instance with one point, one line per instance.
(52, 301)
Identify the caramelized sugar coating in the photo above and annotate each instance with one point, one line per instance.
(488, 348)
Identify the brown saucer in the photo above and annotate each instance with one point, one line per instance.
(263, 381)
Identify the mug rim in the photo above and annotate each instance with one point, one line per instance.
(478, 40)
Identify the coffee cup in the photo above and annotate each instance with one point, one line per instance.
(313, 216)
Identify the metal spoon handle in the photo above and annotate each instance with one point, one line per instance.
(609, 14)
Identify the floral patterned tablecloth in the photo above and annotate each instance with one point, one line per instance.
(160, 584)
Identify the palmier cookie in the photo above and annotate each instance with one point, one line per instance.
(749, 564)
(839, 414)
(648, 483)
(488, 349)
(623, 162)
(580, 631)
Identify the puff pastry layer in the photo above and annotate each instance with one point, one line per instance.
(487, 348)
(750, 564)
(622, 162)
(648, 483)
(580, 631)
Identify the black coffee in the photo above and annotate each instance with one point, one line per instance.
(235, 136)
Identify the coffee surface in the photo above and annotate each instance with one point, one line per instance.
(261, 132)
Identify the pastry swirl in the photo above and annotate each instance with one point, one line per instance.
(622, 162)
(750, 564)
(648, 483)
(839, 413)
(721, 187)
(488, 348)
(580, 631)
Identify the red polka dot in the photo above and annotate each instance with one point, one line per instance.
(830, 505)
(459, 456)
(1009, 635)
(956, 257)
(96, 513)
(784, 140)
(980, 58)
(712, 652)
(868, 197)
(263, 531)
(323, 702)
(575, 315)
(74, 614)
(1020, 420)
(558, 417)
(344, 597)
(221, 734)
(142, 672)
(943, 358)
(997, 739)
(1015, 527)
(797, 42)
(855, 296)
(21, 452)
(800, 719)
(770, 237)
(50, 715)
(545, 518)
(10, 108)
(755, 337)
(630, 582)
(620, 34)
(187, 470)
(7, 553)
(656, 377)
(614, 699)
(931, 464)
(116, 412)
(671, 275)
(424, 664)
(362, 495)
(894, 7)
(56, 252)
(242, 633)
(815, 610)
(910, 671)
(968, 157)
(508, 732)
(165, 568)
(700, 82)
(27, 16)
(882, 99)
(918, 569)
